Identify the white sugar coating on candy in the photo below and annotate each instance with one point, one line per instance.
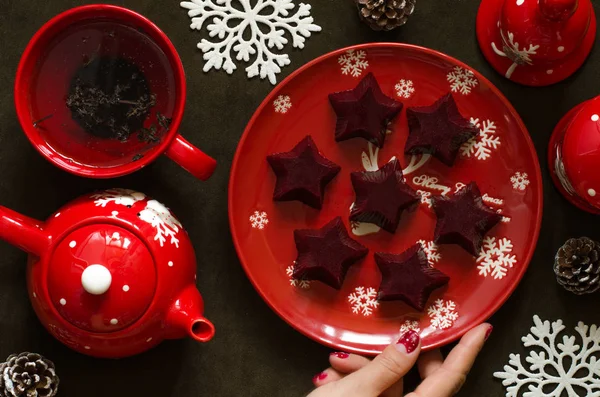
(96, 279)
(595, 117)
(72, 244)
(592, 192)
(63, 301)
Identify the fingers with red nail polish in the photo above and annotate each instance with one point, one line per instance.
(340, 355)
(489, 332)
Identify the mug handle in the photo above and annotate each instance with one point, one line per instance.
(190, 158)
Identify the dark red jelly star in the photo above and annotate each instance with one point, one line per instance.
(463, 219)
(326, 254)
(439, 130)
(381, 196)
(363, 112)
(408, 277)
(302, 174)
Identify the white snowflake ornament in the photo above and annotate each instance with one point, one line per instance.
(363, 300)
(481, 146)
(462, 80)
(495, 258)
(404, 89)
(555, 367)
(250, 29)
(442, 314)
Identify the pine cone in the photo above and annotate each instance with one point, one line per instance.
(28, 375)
(577, 266)
(385, 14)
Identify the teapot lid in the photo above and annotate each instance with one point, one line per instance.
(581, 152)
(101, 278)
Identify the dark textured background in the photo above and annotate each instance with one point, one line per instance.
(255, 353)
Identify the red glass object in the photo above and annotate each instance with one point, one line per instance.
(64, 45)
(263, 230)
(111, 274)
(574, 156)
(533, 42)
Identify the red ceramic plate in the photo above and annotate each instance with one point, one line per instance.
(502, 161)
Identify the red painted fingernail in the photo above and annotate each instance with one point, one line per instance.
(410, 340)
(319, 377)
(489, 332)
(340, 355)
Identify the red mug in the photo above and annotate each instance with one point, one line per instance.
(71, 41)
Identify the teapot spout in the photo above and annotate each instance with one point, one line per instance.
(23, 232)
(185, 317)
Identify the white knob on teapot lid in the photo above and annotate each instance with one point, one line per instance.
(96, 279)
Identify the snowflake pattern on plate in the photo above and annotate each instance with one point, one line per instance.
(520, 181)
(462, 80)
(363, 300)
(442, 314)
(482, 145)
(405, 89)
(353, 62)
(496, 257)
(259, 220)
(431, 249)
(510, 50)
(555, 367)
(282, 104)
(294, 282)
(409, 325)
(250, 30)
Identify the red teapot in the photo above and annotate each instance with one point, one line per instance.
(111, 274)
(574, 156)
(536, 42)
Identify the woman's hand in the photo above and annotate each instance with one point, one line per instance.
(355, 376)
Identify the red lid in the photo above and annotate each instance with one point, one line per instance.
(581, 152)
(101, 278)
(544, 30)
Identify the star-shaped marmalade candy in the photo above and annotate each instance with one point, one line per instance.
(363, 112)
(439, 130)
(302, 174)
(381, 196)
(463, 219)
(408, 277)
(326, 254)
